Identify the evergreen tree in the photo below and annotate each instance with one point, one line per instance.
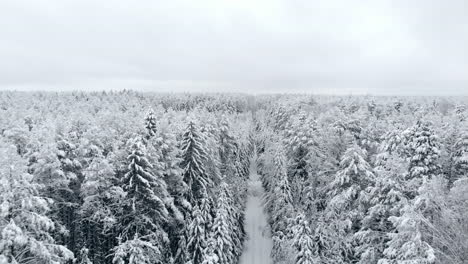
(307, 251)
(460, 158)
(150, 124)
(346, 206)
(137, 251)
(279, 200)
(227, 145)
(83, 257)
(422, 150)
(145, 213)
(25, 228)
(194, 158)
(102, 199)
(279, 207)
(407, 244)
(302, 150)
(223, 230)
(384, 199)
(197, 237)
(210, 255)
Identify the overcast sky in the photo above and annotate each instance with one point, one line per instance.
(407, 47)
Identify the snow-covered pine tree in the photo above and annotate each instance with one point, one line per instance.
(163, 154)
(237, 193)
(280, 208)
(210, 255)
(194, 158)
(197, 237)
(422, 150)
(25, 228)
(150, 124)
(137, 251)
(227, 144)
(346, 206)
(460, 158)
(385, 199)
(306, 249)
(69, 197)
(169, 158)
(279, 200)
(83, 257)
(145, 213)
(102, 198)
(407, 245)
(223, 229)
(302, 148)
(410, 241)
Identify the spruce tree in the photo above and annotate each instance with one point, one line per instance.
(194, 158)
(150, 124)
(407, 244)
(279, 200)
(460, 158)
(145, 213)
(307, 251)
(384, 199)
(422, 150)
(302, 150)
(227, 145)
(197, 237)
(26, 231)
(223, 229)
(137, 251)
(210, 255)
(346, 207)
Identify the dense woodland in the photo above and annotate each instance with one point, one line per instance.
(127, 177)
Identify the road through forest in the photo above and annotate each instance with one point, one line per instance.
(258, 244)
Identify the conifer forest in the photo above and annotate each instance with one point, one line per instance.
(126, 177)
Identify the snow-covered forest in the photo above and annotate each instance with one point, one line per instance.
(127, 177)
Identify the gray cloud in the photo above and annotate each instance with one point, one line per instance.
(325, 46)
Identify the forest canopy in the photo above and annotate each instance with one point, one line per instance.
(128, 177)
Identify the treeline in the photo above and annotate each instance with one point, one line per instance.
(104, 178)
(365, 180)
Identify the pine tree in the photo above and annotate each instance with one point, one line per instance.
(210, 255)
(223, 230)
(227, 145)
(407, 244)
(279, 206)
(150, 124)
(83, 257)
(164, 155)
(102, 199)
(302, 150)
(346, 207)
(355, 175)
(307, 251)
(169, 158)
(25, 228)
(460, 158)
(385, 199)
(279, 200)
(197, 237)
(422, 150)
(194, 158)
(137, 251)
(145, 191)
(145, 213)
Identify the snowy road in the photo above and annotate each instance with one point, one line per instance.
(258, 245)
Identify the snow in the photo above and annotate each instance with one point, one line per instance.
(258, 245)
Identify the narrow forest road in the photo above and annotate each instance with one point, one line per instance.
(258, 245)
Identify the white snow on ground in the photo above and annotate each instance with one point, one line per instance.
(258, 245)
